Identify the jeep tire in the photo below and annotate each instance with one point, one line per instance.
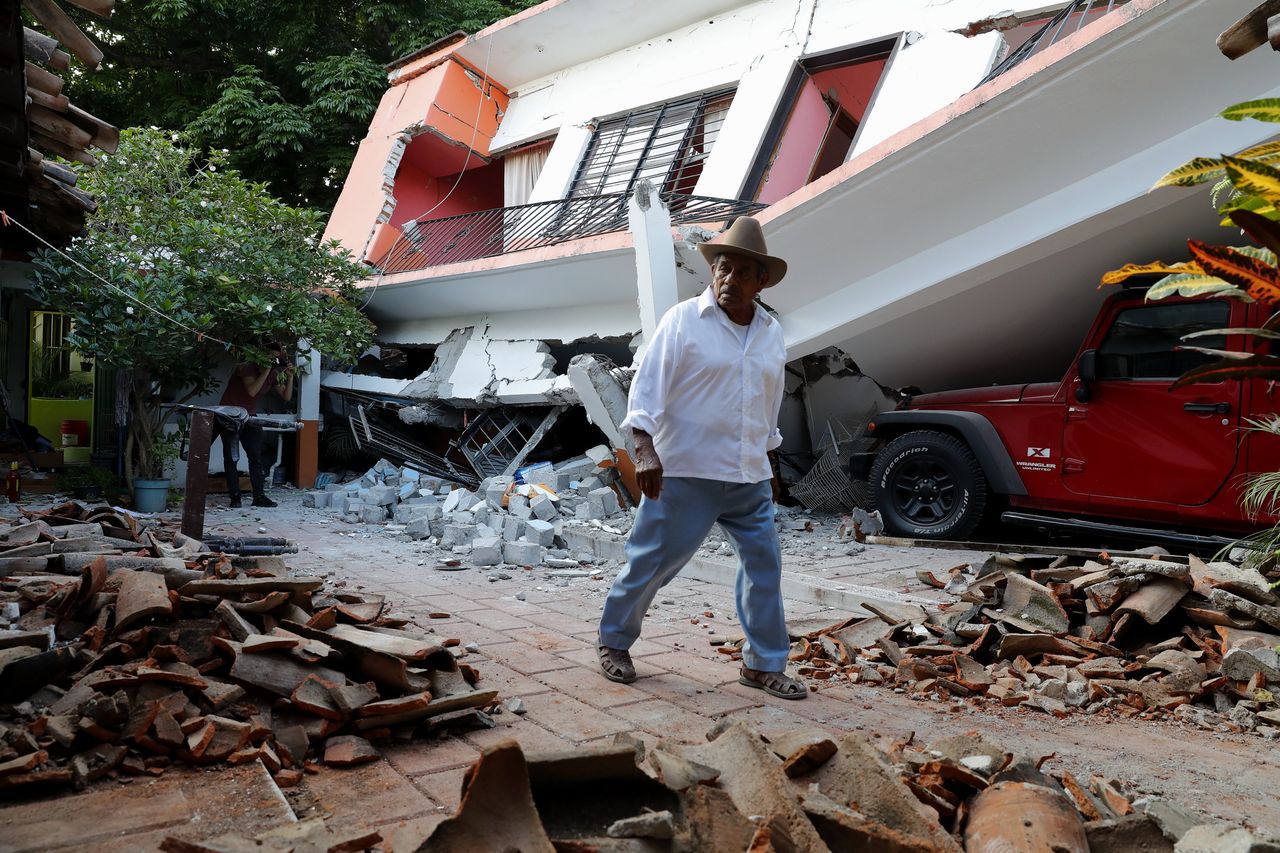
(928, 485)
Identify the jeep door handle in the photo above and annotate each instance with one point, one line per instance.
(1209, 408)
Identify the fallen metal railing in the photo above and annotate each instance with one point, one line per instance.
(426, 243)
(1059, 27)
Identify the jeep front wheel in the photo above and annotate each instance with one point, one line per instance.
(928, 485)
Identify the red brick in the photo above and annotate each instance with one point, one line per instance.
(592, 687)
(524, 658)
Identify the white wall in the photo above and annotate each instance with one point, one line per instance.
(753, 48)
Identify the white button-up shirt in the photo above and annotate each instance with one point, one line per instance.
(709, 397)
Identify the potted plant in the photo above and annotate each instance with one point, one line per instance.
(202, 270)
(151, 484)
(87, 482)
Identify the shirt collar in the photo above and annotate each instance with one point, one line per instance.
(707, 302)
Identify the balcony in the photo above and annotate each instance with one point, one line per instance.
(1068, 21)
(427, 243)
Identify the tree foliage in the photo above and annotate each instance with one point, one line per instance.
(203, 267)
(288, 88)
(1249, 273)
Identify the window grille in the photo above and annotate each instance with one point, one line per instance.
(667, 145)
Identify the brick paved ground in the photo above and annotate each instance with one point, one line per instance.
(536, 638)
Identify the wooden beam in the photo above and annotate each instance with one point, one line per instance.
(59, 173)
(105, 136)
(1249, 32)
(72, 37)
(57, 103)
(45, 81)
(44, 49)
(69, 196)
(58, 126)
(66, 152)
(102, 8)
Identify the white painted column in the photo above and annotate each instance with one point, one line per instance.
(309, 389)
(562, 163)
(650, 223)
(744, 128)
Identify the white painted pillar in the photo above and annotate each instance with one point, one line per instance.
(650, 223)
(562, 163)
(309, 389)
(757, 97)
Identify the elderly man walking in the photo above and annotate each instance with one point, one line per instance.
(703, 410)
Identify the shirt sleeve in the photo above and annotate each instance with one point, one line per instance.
(646, 400)
(775, 404)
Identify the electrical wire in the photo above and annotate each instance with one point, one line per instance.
(471, 149)
(6, 219)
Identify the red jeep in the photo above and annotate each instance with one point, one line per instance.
(1109, 449)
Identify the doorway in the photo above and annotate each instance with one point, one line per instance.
(60, 381)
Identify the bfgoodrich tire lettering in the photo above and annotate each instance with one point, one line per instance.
(928, 485)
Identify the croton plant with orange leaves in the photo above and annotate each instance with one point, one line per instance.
(1242, 272)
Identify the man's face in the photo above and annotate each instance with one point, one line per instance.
(736, 281)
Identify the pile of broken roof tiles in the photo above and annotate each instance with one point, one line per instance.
(796, 790)
(125, 653)
(1147, 637)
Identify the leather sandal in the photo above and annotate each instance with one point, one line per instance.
(774, 683)
(616, 664)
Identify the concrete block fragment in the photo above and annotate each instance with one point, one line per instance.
(430, 484)
(603, 501)
(519, 507)
(457, 534)
(582, 512)
(482, 512)
(462, 517)
(419, 528)
(408, 475)
(316, 500)
(381, 496)
(543, 507)
(1241, 663)
(512, 528)
(373, 514)
(352, 504)
(496, 491)
(541, 532)
(487, 552)
(407, 490)
(589, 484)
(466, 499)
(522, 553)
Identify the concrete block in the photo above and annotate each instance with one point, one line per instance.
(383, 467)
(603, 502)
(519, 507)
(373, 514)
(381, 496)
(577, 468)
(486, 552)
(352, 506)
(482, 512)
(461, 517)
(457, 534)
(512, 528)
(431, 484)
(523, 553)
(419, 528)
(587, 485)
(583, 512)
(495, 490)
(351, 518)
(541, 532)
(451, 500)
(316, 500)
(335, 487)
(467, 499)
(408, 475)
(407, 490)
(392, 480)
(543, 507)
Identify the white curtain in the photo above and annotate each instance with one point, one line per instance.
(520, 173)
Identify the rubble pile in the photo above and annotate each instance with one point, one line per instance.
(123, 653)
(791, 791)
(503, 522)
(1150, 637)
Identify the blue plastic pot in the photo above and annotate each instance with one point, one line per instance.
(150, 495)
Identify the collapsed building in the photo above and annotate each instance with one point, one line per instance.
(947, 182)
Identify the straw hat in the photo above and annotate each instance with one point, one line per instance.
(745, 237)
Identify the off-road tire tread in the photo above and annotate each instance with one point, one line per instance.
(966, 465)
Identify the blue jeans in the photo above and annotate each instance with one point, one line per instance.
(666, 535)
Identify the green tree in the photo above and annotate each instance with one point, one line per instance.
(200, 266)
(288, 88)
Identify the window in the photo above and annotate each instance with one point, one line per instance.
(667, 145)
(1140, 343)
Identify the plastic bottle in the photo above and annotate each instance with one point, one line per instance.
(13, 484)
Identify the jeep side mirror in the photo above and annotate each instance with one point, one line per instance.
(1088, 370)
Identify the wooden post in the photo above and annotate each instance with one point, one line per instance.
(307, 456)
(197, 474)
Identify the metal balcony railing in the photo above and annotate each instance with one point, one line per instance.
(431, 242)
(1069, 20)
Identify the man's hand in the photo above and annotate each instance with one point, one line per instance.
(648, 466)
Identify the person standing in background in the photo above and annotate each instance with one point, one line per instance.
(247, 384)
